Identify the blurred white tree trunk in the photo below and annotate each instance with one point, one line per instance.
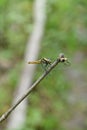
(17, 118)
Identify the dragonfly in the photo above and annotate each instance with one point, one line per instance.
(43, 61)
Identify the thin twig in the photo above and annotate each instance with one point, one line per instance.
(61, 58)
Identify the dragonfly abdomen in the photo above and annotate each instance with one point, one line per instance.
(34, 62)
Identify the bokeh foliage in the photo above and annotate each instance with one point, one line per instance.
(65, 31)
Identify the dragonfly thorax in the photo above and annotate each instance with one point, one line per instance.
(46, 61)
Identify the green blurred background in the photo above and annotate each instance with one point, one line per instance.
(55, 104)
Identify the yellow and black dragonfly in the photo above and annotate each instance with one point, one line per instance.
(43, 61)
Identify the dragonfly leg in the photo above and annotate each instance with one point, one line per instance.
(44, 66)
